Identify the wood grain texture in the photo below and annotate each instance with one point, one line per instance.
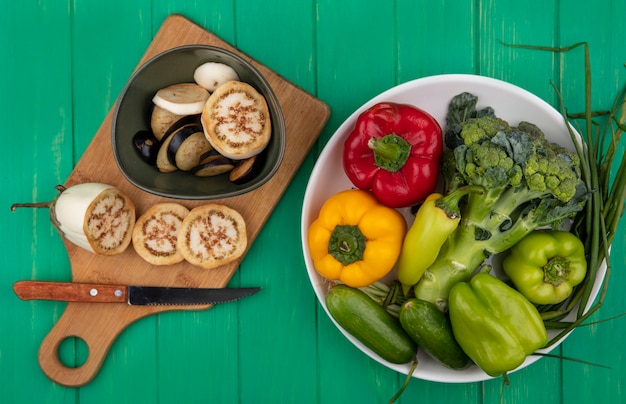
(99, 325)
(70, 292)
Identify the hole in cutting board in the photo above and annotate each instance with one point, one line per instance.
(73, 352)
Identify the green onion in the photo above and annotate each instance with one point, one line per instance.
(598, 223)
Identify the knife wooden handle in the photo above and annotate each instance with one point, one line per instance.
(70, 292)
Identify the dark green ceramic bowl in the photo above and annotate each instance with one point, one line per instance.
(132, 114)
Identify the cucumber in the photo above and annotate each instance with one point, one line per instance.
(370, 323)
(431, 330)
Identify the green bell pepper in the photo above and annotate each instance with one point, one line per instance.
(494, 324)
(546, 265)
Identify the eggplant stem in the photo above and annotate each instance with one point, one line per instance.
(58, 187)
(30, 205)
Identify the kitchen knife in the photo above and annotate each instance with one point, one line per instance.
(133, 295)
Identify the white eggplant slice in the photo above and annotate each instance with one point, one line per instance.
(156, 232)
(236, 120)
(96, 217)
(211, 75)
(186, 148)
(161, 120)
(182, 99)
(212, 235)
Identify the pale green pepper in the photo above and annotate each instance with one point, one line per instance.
(435, 220)
(546, 265)
(495, 325)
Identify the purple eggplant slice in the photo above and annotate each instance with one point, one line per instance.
(244, 170)
(186, 146)
(209, 155)
(212, 166)
(147, 145)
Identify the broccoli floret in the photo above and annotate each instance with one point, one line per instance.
(532, 131)
(462, 109)
(555, 169)
(484, 163)
(478, 129)
(528, 183)
(516, 175)
(475, 129)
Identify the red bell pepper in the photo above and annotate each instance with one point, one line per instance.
(394, 150)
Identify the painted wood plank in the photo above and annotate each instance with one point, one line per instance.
(532, 71)
(533, 22)
(328, 73)
(35, 109)
(599, 343)
(436, 38)
(357, 59)
(107, 41)
(217, 16)
(356, 55)
(208, 366)
(276, 340)
(103, 58)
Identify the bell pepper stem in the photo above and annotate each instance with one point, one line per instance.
(347, 244)
(390, 152)
(556, 271)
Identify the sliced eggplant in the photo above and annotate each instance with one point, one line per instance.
(186, 146)
(163, 162)
(213, 165)
(186, 152)
(211, 75)
(155, 233)
(161, 120)
(147, 145)
(212, 235)
(182, 99)
(95, 216)
(209, 155)
(244, 170)
(236, 120)
(185, 120)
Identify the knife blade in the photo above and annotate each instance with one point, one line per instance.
(132, 295)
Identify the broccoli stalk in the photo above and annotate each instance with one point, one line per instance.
(528, 183)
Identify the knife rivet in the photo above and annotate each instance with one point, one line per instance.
(93, 292)
(117, 293)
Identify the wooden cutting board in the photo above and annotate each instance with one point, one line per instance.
(98, 324)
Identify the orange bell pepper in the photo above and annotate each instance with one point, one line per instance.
(356, 239)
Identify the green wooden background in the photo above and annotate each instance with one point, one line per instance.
(65, 62)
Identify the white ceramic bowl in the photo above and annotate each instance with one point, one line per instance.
(432, 94)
